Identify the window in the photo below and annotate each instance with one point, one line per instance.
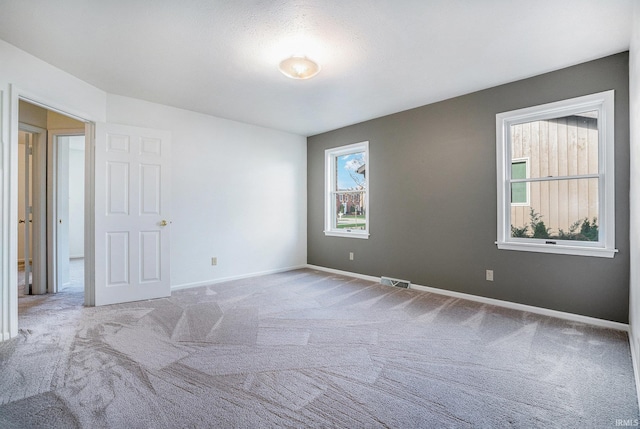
(346, 191)
(555, 176)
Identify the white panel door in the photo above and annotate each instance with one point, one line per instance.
(132, 190)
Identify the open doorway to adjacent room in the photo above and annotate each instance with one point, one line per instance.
(51, 208)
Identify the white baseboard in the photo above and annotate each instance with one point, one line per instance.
(491, 301)
(344, 273)
(238, 277)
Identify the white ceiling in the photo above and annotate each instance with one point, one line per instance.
(377, 56)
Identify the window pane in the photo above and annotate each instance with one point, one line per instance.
(565, 146)
(350, 172)
(518, 193)
(559, 210)
(350, 210)
(519, 190)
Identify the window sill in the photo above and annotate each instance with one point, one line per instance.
(348, 234)
(560, 249)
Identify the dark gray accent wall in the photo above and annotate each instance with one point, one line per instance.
(433, 208)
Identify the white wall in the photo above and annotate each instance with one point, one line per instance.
(238, 193)
(634, 198)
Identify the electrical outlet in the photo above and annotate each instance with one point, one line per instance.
(490, 275)
(351, 256)
(214, 261)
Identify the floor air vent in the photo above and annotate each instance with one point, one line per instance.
(395, 282)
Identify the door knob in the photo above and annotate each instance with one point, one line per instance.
(21, 221)
(163, 223)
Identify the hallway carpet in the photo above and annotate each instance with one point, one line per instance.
(308, 349)
(76, 276)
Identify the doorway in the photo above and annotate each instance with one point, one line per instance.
(66, 213)
(51, 173)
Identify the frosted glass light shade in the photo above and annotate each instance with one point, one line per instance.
(299, 67)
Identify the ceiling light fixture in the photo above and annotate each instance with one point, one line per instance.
(299, 67)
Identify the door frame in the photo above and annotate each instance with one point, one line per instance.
(9, 227)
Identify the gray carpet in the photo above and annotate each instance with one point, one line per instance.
(308, 349)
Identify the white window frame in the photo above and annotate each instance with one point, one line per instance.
(527, 203)
(603, 103)
(330, 185)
